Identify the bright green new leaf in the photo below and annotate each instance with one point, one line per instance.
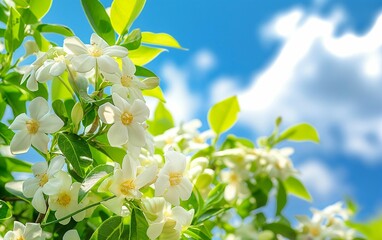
(111, 229)
(281, 198)
(144, 55)
(6, 134)
(5, 210)
(42, 43)
(295, 187)
(124, 12)
(40, 8)
(223, 115)
(300, 132)
(59, 88)
(138, 226)
(282, 229)
(95, 176)
(133, 40)
(156, 93)
(76, 151)
(161, 39)
(371, 230)
(162, 121)
(54, 28)
(14, 33)
(99, 20)
(21, 3)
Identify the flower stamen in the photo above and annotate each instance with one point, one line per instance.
(32, 126)
(126, 118)
(175, 178)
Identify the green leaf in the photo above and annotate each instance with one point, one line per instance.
(144, 54)
(282, 229)
(281, 197)
(14, 98)
(161, 39)
(42, 43)
(6, 134)
(95, 176)
(133, 40)
(155, 93)
(138, 225)
(54, 28)
(58, 89)
(99, 20)
(111, 229)
(76, 151)
(124, 12)
(14, 33)
(162, 121)
(5, 210)
(144, 72)
(60, 110)
(16, 188)
(14, 165)
(223, 115)
(215, 196)
(114, 153)
(300, 132)
(40, 8)
(371, 229)
(198, 233)
(21, 3)
(295, 187)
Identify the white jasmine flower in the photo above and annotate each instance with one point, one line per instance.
(169, 139)
(164, 222)
(34, 187)
(32, 130)
(98, 53)
(71, 235)
(126, 83)
(63, 197)
(29, 72)
(172, 182)
(237, 187)
(127, 181)
(276, 162)
(54, 65)
(30, 231)
(126, 120)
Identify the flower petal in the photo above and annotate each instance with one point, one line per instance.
(117, 135)
(155, 229)
(20, 122)
(73, 45)
(71, 235)
(32, 83)
(112, 77)
(115, 204)
(57, 69)
(21, 142)
(56, 164)
(50, 123)
(97, 40)
(32, 231)
(38, 201)
(108, 113)
(185, 188)
(136, 134)
(147, 176)
(83, 63)
(38, 108)
(172, 196)
(161, 185)
(39, 168)
(107, 64)
(129, 167)
(40, 141)
(122, 104)
(30, 187)
(140, 111)
(176, 160)
(42, 74)
(128, 67)
(115, 51)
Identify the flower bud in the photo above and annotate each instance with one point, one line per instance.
(77, 115)
(151, 82)
(30, 48)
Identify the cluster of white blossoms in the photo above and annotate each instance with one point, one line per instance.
(328, 223)
(185, 138)
(245, 163)
(54, 190)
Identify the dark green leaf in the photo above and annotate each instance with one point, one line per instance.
(76, 151)
(144, 72)
(99, 20)
(6, 134)
(54, 28)
(5, 210)
(281, 197)
(133, 40)
(111, 229)
(14, 33)
(14, 165)
(138, 225)
(282, 229)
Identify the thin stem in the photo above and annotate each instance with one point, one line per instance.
(74, 213)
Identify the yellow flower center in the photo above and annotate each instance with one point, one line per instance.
(126, 118)
(198, 140)
(60, 58)
(234, 178)
(20, 238)
(126, 80)
(175, 178)
(64, 199)
(95, 51)
(32, 126)
(315, 231)
(43, 179)
(127, 186)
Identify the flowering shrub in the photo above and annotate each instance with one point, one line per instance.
(106, 169)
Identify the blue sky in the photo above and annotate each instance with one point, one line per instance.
(315, 61)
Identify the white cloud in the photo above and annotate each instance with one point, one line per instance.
(222, 88)
(204, 60)
(332, 82)
(323, 182)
